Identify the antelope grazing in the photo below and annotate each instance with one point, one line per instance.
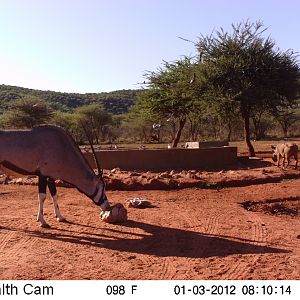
(285, 151)
(50, 153)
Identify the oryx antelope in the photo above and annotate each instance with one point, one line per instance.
(285, 151)
(50, 153)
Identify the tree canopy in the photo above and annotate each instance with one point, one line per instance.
(244, 68)
(170, 94)
(26, 112)
(95, 119)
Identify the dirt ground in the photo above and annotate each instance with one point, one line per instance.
(238, 232)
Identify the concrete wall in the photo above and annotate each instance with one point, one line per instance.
(209, 144)
(166, 159)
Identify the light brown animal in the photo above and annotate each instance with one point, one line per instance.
(285, 151)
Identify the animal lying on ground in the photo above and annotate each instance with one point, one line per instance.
(285, 151)
(50, 153)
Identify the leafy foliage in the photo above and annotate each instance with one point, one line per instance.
(117, 102)
(287, 116)
(171, 96)
(171, 93)
(247, 69)
(26, 113)
(95, 119)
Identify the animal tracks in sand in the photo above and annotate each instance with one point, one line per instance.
(242, 267)
(16, 250)
(5, 237)
(14, 245)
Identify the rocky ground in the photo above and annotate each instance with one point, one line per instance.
(247, 172)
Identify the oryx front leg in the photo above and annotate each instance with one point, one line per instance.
(53, 192)
(57, 213)
(40, 215)
(42, 198)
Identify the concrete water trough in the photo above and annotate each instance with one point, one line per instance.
(206, 144)
(165, 159)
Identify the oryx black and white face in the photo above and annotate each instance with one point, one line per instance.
(99, 197)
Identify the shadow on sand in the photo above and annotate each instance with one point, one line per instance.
(279, 206)
(154, 240)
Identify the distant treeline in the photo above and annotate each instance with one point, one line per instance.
(116, 102)
(239, 86)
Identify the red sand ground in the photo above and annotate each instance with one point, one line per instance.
(250, 232)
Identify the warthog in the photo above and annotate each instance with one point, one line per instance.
(286, 151)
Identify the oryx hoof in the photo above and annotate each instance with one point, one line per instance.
(45, 225)
(61, 219)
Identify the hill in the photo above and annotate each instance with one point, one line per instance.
(116, 102)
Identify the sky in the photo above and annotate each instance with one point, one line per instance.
(93, 46)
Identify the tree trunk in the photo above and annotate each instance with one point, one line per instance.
(229, 132)
(255, 125)
(178, 133)
(194, 130)
(250, 148)
(285, 129)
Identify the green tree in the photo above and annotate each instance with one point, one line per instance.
(262, 121)
(226, 114)
(26, 112)
(139, 120)
(244, 67)
(115, 129)
(69, 122)
(286, 117)
(95, 119)
(170, 95)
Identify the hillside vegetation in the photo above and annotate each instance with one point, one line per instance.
(116, 102)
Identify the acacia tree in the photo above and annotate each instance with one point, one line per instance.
(95, 120)
(195, 121)
(26, 112)
(170, 94)
(139, 120)
(262, 121)
(286, 117)
(226, 112)
(246, 68)
(69, 122)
